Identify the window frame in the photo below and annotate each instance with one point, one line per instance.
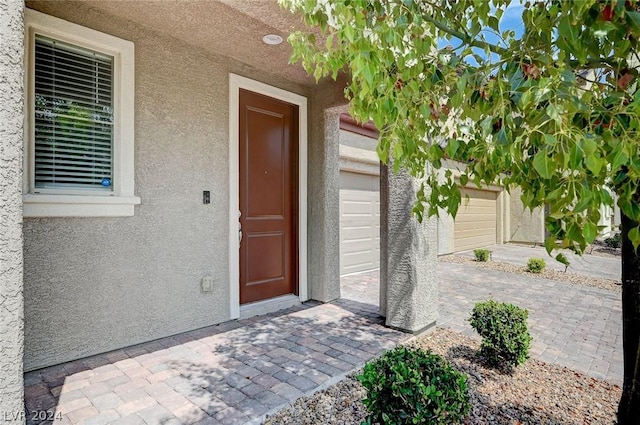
(64, 202)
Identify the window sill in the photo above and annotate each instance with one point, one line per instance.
(78, 206)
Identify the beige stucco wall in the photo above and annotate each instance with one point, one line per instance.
(526, 226)
(445, 233)
(11, 297)
(96, 284)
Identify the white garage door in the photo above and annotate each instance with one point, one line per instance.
(359, 222)
(475, 224)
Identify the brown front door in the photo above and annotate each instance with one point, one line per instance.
(268, 197)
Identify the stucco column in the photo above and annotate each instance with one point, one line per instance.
(11, 300)
(408, 256)
(324, 199)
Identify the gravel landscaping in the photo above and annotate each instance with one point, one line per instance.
(603, 251)
(569, 277)
(536, 392)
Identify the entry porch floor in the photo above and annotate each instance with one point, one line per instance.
(232, 373)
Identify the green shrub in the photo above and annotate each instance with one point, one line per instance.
(412, 386)
(536, 265)
(614, 241)
(503, 328)
(482, 255)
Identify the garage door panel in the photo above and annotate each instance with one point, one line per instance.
(475, 232)
(355, 246)
(476, 226)
(473, 242)
(355, 261)
(358, 233)
(359, 229)
(476, 222)
(358, 208)
(475, 212)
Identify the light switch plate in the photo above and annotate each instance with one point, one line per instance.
(207, 283)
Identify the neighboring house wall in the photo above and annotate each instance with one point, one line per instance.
(447, 225)
(358, 141)
(363, 160)
(616, 217)
(445, 233)
(609, 218)
(95, 284)
(526, 226)
(11, 133)
(606, 221)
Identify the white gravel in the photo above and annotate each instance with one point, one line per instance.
(568, 277)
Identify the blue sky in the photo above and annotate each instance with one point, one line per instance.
(511, 20)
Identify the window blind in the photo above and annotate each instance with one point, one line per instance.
(73, 117)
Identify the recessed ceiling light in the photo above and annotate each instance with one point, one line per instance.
(272, 39)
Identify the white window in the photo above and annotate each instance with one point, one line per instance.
(79, 132)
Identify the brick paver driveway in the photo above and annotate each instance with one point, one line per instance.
(573, 326)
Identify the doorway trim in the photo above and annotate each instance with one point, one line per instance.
(236, 82)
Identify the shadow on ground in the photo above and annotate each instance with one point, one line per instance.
(233, 372)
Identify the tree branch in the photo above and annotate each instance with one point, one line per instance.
(609, 62)
(466, 38)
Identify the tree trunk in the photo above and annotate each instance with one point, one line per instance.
(629, 407)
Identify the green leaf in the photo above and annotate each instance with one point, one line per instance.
(550, 139)
(594, 163)
(589, 146)
(554, 113)
(575, 157)
(525, 99)
(620, 157)
(452, 148)
(633, 18)
(550, 244)
(397, 150)
(590, 232)
(543, 165)
(494, 23)
(574, 233)
(561, 258)
(634, 237)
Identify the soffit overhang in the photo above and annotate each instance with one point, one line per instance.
(230, 28)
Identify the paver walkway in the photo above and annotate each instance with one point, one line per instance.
(573, 326)
(233, 373)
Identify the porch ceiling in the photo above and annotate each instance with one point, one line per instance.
(231, 28)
